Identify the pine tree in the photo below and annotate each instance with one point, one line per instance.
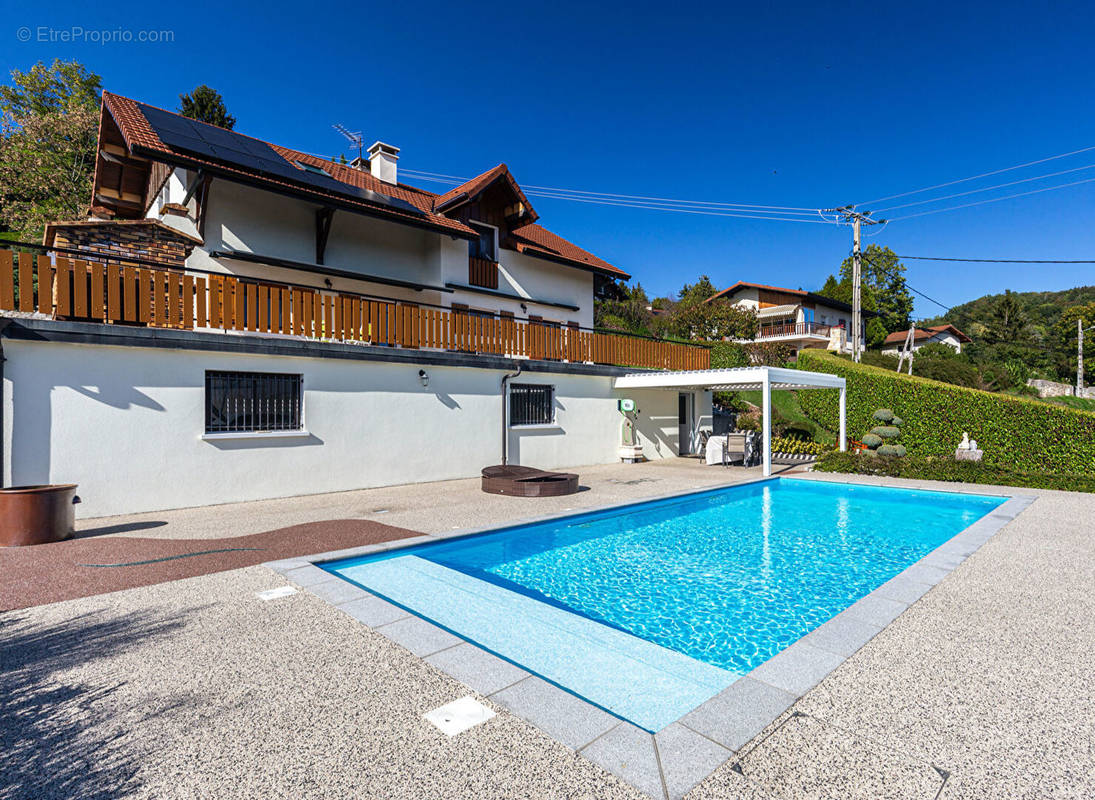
(206, 105)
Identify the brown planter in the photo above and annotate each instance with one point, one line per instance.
(37, 514)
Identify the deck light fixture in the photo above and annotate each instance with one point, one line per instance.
(424, 377)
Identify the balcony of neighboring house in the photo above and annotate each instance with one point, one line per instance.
(791, 323)
(794, 330)
(92, 286)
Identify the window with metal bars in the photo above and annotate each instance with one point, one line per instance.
(249, 402)
(531, 404)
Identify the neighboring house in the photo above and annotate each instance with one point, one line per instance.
(238, 320)
(796, 317)
(943, 334)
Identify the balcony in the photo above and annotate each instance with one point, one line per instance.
(482, 272)
(136, 293)
(796, 330)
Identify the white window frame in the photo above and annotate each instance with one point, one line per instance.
(497, 251)
(535, 425)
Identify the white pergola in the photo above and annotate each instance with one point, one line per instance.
(762, 379)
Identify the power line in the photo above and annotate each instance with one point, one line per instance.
(917, 291)
(911, 288)
(698, 205)
(988, 188)
(982, 175)
(557, 193)
(994, 199)
(622, 204)
(1002, 260)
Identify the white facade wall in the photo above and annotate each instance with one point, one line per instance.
(127, 424)
(244, 218)
(948, 339)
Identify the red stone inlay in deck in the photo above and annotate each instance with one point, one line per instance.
(48, 573)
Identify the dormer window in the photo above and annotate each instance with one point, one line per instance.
(313, 169)
(486, 246)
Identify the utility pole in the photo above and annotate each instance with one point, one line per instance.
(857, 218)
(857, 279)
(907, 350)
(1079, 358)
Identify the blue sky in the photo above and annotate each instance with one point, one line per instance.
(803, 104)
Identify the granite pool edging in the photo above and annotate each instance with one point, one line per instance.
(667, 764)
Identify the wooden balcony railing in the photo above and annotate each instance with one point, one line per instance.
(794, 329)
(482, 272)
(121, 294)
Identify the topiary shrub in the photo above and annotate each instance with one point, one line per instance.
(881, 439)
(897, 422)
(899, 450)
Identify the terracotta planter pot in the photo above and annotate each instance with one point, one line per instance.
(37, 514)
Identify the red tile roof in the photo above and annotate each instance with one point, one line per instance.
(470, 189)
(530, 238)
(539, 241)
(813, 296)
(920, 334)
(139, 135)
(744, 285)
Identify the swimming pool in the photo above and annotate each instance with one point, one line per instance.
(649, 609)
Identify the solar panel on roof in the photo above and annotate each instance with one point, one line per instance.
(228, 147)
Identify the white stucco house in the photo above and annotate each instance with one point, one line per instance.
(795, 317)
(943, 334)
(236, 320)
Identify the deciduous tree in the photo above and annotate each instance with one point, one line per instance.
(883, 285)
(48, 128)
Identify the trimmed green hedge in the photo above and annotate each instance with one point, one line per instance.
(1015, 432)
(947, 469)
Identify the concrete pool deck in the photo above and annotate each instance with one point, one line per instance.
(980, 688)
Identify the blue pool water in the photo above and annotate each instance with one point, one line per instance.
(682, 596)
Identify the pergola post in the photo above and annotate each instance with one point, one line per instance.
(766, 426)
(843, 417)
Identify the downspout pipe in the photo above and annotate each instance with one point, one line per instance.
(505, 411)
(4, 323)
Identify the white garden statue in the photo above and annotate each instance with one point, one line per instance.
(965, 441)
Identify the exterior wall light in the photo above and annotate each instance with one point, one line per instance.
(424, 377)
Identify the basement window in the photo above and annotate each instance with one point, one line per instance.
(252, 402)
(531, 404)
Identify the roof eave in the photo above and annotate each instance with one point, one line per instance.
(614, 272)
(255, 181)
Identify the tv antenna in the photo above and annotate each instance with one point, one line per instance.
(355, 139)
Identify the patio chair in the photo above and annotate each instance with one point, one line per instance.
(704, 436)
(733, 449)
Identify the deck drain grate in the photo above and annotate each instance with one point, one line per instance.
(459, 715)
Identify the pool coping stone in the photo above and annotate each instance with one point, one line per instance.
(668, 764)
